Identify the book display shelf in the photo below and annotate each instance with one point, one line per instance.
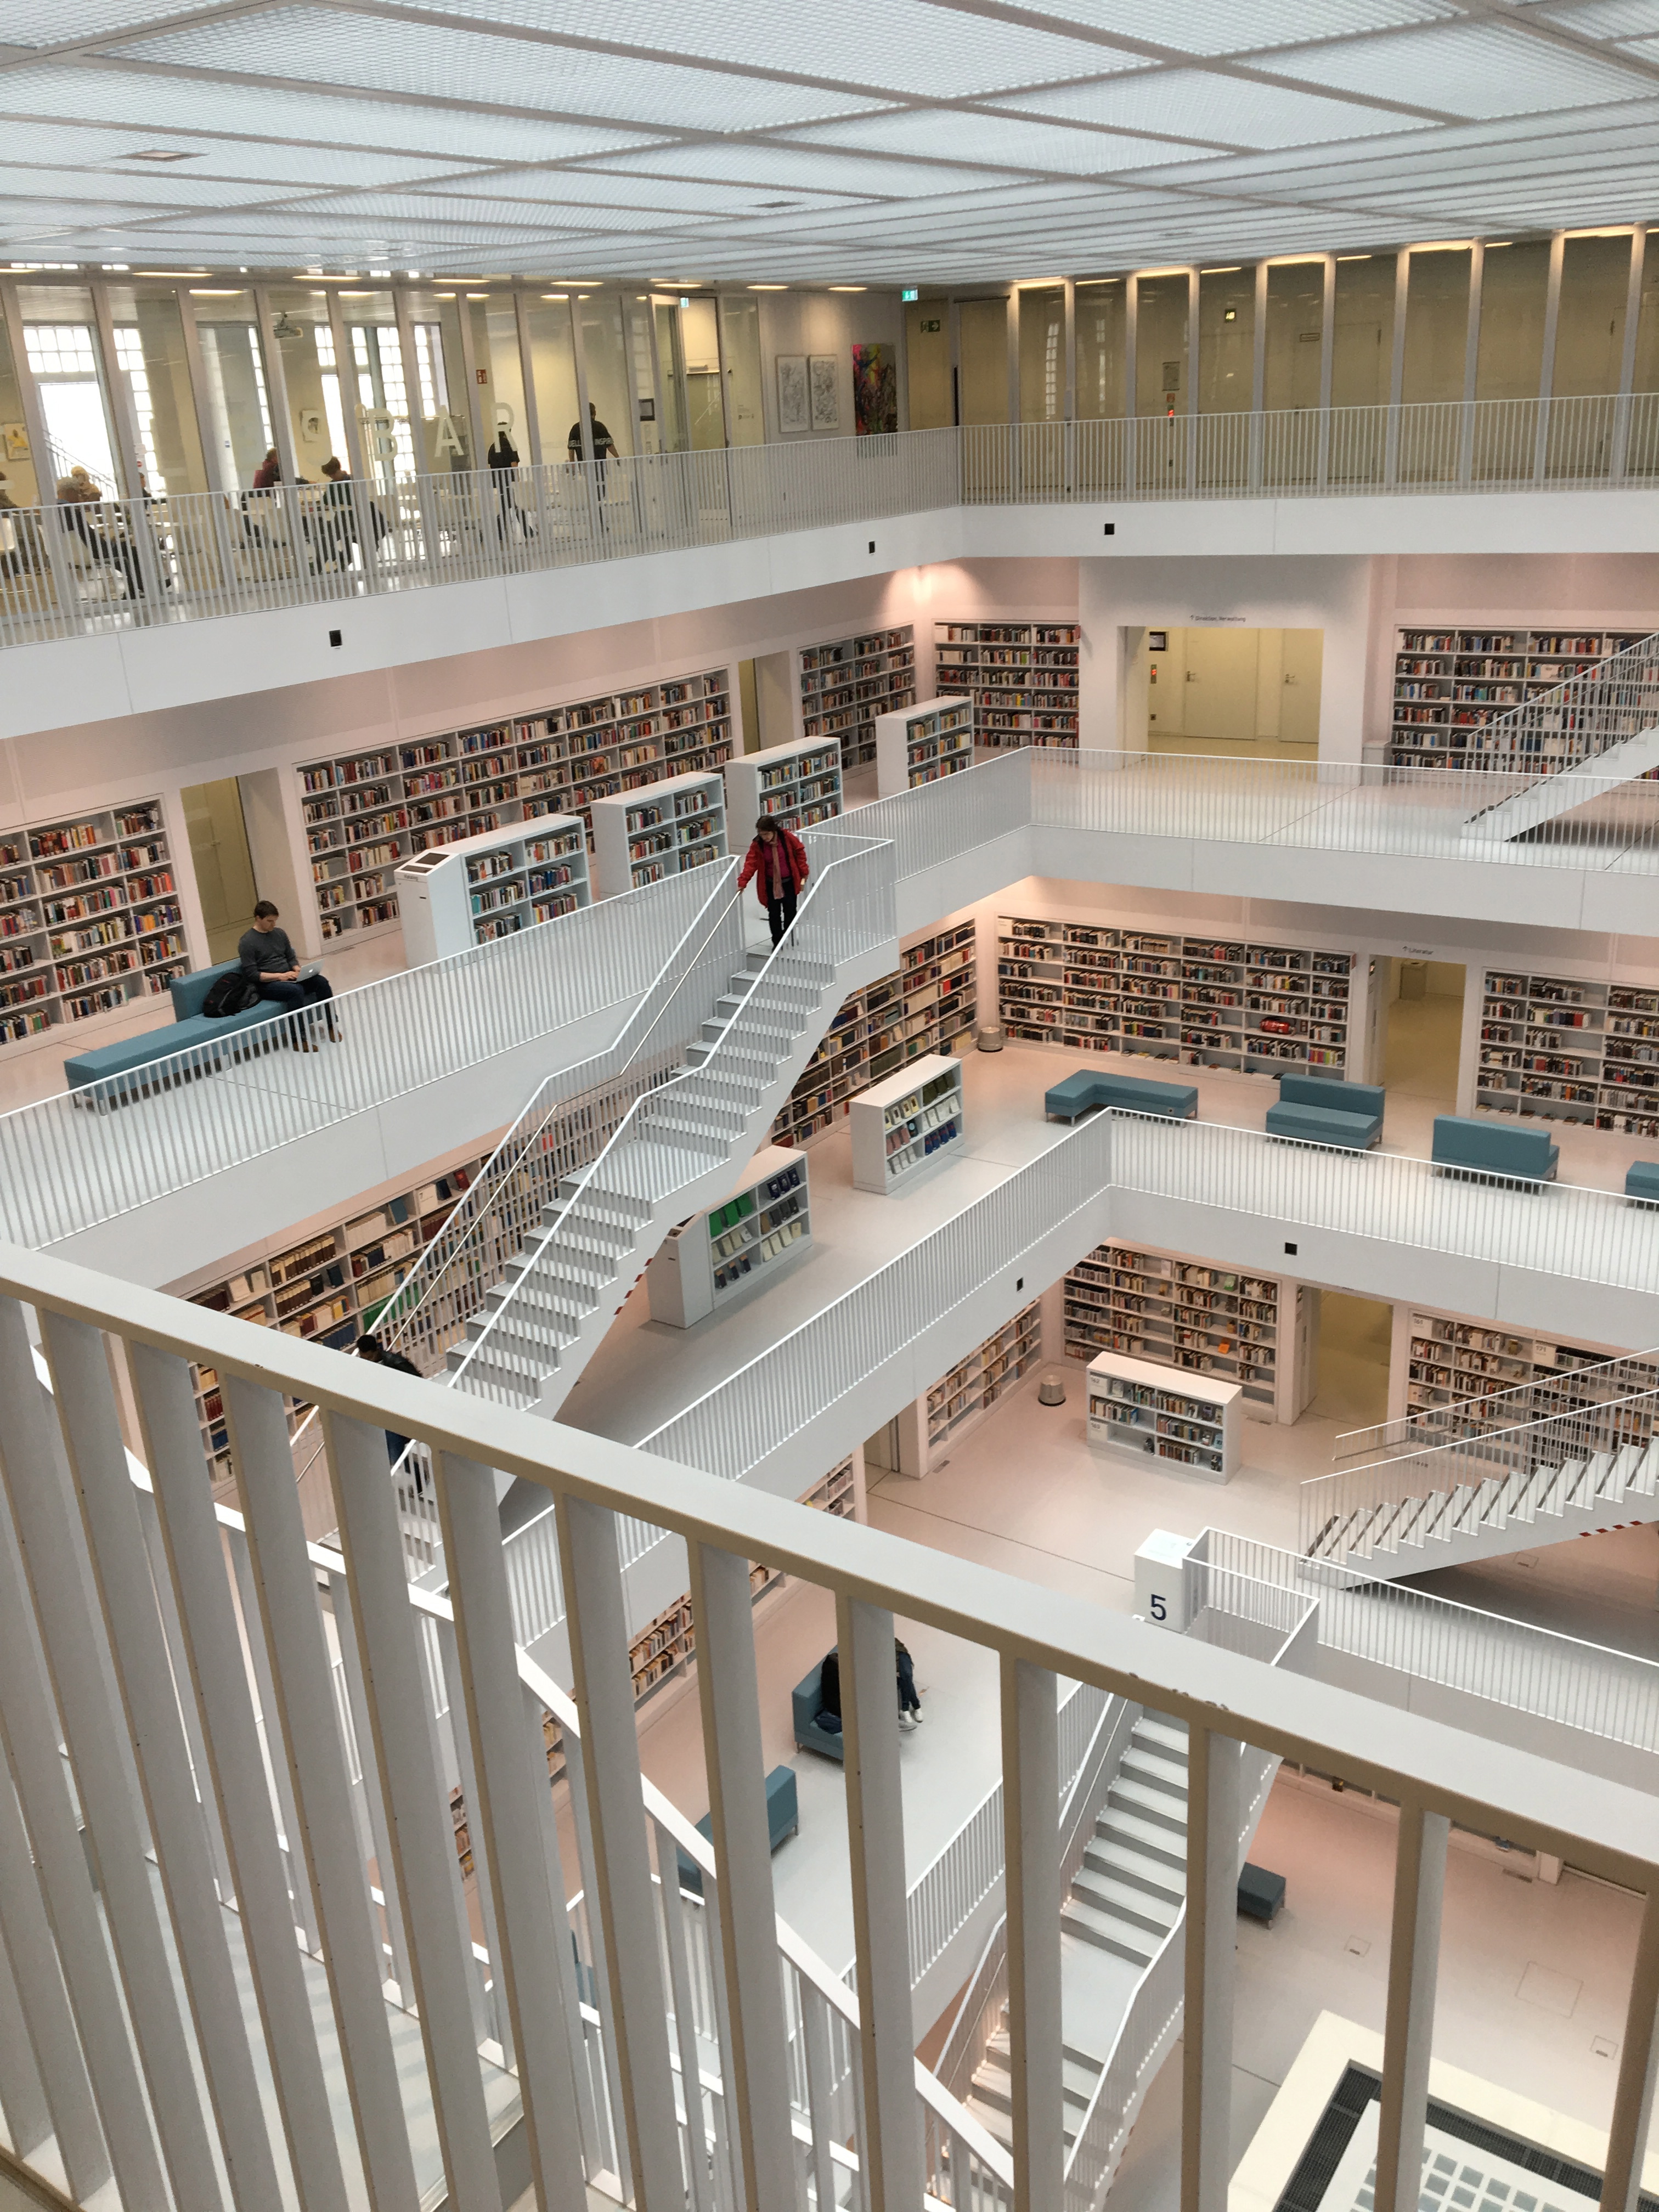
(797, 785)
(974, 1385)
(1570, 1050)
(1453, 1359)
(640, 837)
(837, 1493)
(455, 896)
(1181, 1313)
(925, 1006)
(364, 813)
(1136, 1407)
(1258, 1009)
(907, 1125)
(703, 1264)
(330, 1286)
(89, 918)
(1021, 676)
(1449, 685)
(923, 744)
(845, 683)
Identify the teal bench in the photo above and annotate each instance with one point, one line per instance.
(1642, 1182)
(115, 1074)
(783, 1820)
(1130, 1094)
(1463, 1145)
(1316, 1110)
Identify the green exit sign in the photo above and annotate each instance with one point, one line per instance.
(911, 292)
(933, 326)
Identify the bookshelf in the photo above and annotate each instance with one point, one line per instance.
(923, 744)
(702, 1266)
(1567, 1048)
(837, 1493)
(363, 813)
(845, 683)
(330, 1284)
(1452, 1359)
(1449, 683)
(1179, 1312)
(1208, 1002)
(958, 1400)
(797, 785)
(89, 918)
(1137, 1406)
(1021, 676)
(640, 837)
(925, 1005)
(907, 1125)
(455, 896)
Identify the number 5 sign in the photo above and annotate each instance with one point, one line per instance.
(1160, 1579)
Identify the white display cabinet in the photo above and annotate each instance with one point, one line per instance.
(708, 1260)
(797, 785)
(491, 885)
(922, 743)
(641, 836)
(1165, 1413)
(907, 1125)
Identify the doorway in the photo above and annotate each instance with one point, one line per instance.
(1224, 690)
(1420, 1033)
(223, 863)
(1356, 1341)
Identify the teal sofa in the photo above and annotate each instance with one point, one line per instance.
(783, 1820)
(1130, 1094)
(115, 1074)
(1642, 1182)
(807, 1700)
(1314, 1111)
(1502, 1150)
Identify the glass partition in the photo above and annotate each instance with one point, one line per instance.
(1436, 325)
(982, 329)
(701, 343)
(17, 459)
(740, 342)
(1042, 311)
(1590, 329)
(494, 327)
(149, 354)
(1226, 340)
(1514, 286)
(1362, 349)
(1100, 315)
(671, 362)
(1160, 320)
(60, 344)
(238, 406)
(378, 385)
(439, 390)
(1296, 307)
(298, 334)
(553, 365)
(637, 324)
(927, 364)
(604, 357)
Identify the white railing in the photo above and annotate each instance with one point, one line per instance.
(89, 1155)
(145, 564)
(215, 1626)
(1615, 701)
(1597, 1380)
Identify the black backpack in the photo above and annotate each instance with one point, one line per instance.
(233, 994)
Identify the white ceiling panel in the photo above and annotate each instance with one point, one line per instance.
(996, 141)
(79, 145)
(1222, 27)
(1467, 68)
(772, 169)
(676, 200)
(1226, 111)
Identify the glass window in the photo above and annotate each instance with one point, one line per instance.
(553, 365)
(150, 354)
(494, 327)
(701, 343)
(1514, 285)
(238, 404)
(296, 316)
(636, 316)
(605, 356)
(1042, 311)
(60, 344)
(1160, 320)
(671, 365)
(1295, 306)
(1362, 351)
(740, 342)
(1100, 344)
(15, 459)
(927, 364)
(441, 383)
(1647, 322)
(328, 371)
(1226, 340)
(983, 333)
(1590, 329)
(1436, 325)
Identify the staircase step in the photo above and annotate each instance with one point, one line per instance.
(1107, 1933)
(1141, 1763)
(1135, 1869)
(994, 2077)
(995, 2122)
(1123, 1902)
(1118, 1825)
(1156, 1806)
(1167, 1737)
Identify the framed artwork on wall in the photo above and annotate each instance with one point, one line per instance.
(826, 401)
(792, 413)
(875, 390)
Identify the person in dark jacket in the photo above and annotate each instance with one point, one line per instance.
(829, 1693)
(268, 959)
(909, 1703)
(502, 459)
(370, 1346)
(777, 860)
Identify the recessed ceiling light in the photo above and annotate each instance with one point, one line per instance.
(160, 153)
(207, 292)
(478, 295)
(1229, 268)
(847, 288)
(555, 295)
(165, 272)
(768, 287)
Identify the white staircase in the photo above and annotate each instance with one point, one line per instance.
(1604, 724)
(679, 1146)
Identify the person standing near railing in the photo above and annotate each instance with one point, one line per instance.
(777, 860)
(368, 1346)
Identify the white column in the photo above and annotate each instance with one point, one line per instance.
(1638, 2064)
(1638, 247)
(1213, 1823)
(1402, 264)
(1420, 1888)
(757, 2087)
(23, 2098)
(531, 436)
(875, 1826)
(275, 369)
(1547, 366)
(1031, 1807)
(1327, 365)
(345, 369)
(1258, 372)
(1470, 359)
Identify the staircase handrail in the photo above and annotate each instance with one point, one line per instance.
(789, 949)
(1533, 715)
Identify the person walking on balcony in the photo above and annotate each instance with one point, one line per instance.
(268, 959)
(909, 1703)
(777, 860)
(368, 1346)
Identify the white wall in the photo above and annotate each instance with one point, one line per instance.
(824, 323)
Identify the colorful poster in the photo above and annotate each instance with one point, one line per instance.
(875, 390)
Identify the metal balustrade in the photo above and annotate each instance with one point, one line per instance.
(146, 563)
(1621, 1376)
(209, 1623)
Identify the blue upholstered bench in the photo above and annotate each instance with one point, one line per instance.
(1321, 1112)
(807, 1700)
(1132, 1094)
(1463, 1145)
(1261, 1893)
(782, 1818)
(129, 1057)
(1642, 1182)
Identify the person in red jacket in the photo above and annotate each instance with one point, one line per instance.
(777, 860)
